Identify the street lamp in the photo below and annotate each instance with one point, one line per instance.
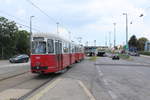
(126, 30)
(79, 39)
(31, 33)
(114, 35)
(95, 43)
(69, 35)
(57, 28)
(110, 39)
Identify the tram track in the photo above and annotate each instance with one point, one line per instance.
(12, 76)
(35, 89)
(29, 81)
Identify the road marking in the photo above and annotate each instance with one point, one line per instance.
(45, 90)
(88, 93)
(106, 82)
(99, 70)
(114, 97)
(111, 93)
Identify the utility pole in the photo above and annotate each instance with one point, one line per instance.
(95, 43)
(87, 43)
(57, 28)
(79, 39)
(69, 36)
(114, 35)
(31, 33)
(110, 39)
(105, 39)
(126, 30)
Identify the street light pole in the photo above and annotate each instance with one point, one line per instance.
(57, 28)
(126, 30)
(105, 39)
(110, 39)
(95, 43)
(114, 35)
(31, 33)
(69, 36)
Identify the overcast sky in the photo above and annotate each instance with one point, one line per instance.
(89, 19)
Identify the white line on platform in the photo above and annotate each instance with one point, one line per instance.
(45, 90)
(88, 93)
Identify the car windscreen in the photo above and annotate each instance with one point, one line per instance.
(38, 47)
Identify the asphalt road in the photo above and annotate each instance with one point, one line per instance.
(109, 79)
(15, 87)
(10, 69)
(106, 79)
(142, 60)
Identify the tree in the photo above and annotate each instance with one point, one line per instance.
(23, 43)
(141, 43)
(8, 37)
(133, 42)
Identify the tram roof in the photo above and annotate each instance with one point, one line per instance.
(50, 35)
(53, 36)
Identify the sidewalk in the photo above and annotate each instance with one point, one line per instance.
(63, 89)
(145, 56)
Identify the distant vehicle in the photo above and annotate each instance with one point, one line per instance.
(134, 54)
(115, 57)
(19, 59)
(101, 53)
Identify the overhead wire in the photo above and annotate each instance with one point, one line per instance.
(33, 4)
(52, 19)
(17, 19)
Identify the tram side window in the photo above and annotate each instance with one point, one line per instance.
(50, 46)
(66, 48)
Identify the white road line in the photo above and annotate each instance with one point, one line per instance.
(114, 97)
(111, 93)
(45, 90)
(106, 82)
(100, 72)
(88, 93)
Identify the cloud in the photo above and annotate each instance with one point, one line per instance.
(94, 18)
(21, 12)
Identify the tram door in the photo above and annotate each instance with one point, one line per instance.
(58, 50)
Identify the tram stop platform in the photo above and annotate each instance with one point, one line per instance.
(63, 89)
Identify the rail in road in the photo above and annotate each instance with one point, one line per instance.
(9, 70)
(27, 81)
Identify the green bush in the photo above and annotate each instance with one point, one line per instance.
(145, 53)
(124, 56)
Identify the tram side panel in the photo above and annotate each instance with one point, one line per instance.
(72, 58)
(43, 63)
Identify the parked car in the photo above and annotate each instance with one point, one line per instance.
(134, 54)
(19, 59)
(115, 57)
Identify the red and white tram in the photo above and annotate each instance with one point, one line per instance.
(51, 53)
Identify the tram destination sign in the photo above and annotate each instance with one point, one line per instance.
(38, 38)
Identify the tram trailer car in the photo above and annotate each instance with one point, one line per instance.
(51, 53)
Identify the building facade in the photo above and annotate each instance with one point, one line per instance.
(147, 46)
